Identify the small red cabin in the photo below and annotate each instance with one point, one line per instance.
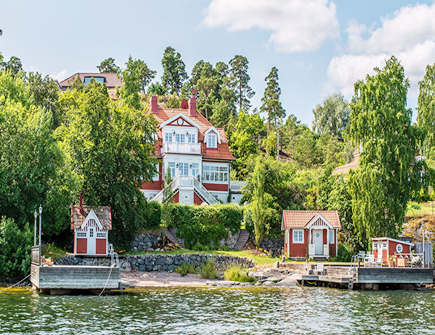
(384, 248)
(91, 226)
(311, 234)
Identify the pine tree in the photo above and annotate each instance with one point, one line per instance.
(108, 65)
(174, 71)
(239, 81)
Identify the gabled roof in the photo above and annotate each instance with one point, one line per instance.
(300, 218)
(112, 79)
(180, 115)
(103, 214)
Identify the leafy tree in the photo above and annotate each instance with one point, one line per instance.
(332, 116)
(239, 81)
(109, 145)
(156, 89)
(174, 72)
(426, 106)
(45, 93)
(108, 65)
(388, 172)
(13, 65)
(15, 245)
(258, 205)
(271, 104)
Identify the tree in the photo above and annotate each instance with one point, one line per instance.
(426, 107)
(388, 172)
(108, 65)
(332, 116)
(174, 72)
(239, 81)
(109, 145)
(271, 104)
(156, 89)
(13, 65)
(258, 205)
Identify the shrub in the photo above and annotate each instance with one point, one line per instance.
(208, 270)
(202, 225)
(344, 253)
(154, 215)
(185, 268)
(15, 245)
(237, 273)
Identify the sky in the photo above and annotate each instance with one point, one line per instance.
(320, 47)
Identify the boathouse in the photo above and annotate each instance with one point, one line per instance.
(385, 248)
(91, 226)
(311, 234)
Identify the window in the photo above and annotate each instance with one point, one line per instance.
(298, 236)
(171, 167)
(180, 138)
(215, 173)
(156, 176)
(101, 235)
(81, 234)
(195, 169)
(100, 80)
(183, 169)
(211, 140)
(331, 236)
(191, 138)
(168, 138)
(91, 232)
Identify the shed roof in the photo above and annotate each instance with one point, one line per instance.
(300, 219)
(103, 214)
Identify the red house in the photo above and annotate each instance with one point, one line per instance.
(194, 153)
(311, 234)
(384, 248)
(91, 226)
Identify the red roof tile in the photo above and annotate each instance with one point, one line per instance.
(299, 219)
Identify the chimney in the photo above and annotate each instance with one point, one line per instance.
(184, 104)
(192, 106)
(153, 104)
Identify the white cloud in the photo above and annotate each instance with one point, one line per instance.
(59, 76)
(294, 25)
(408, 34)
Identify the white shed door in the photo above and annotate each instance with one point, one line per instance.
(92, 240)
(318, 242)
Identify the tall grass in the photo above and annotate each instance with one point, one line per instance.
(237, 273)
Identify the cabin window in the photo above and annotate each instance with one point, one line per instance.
(180, 138)
(215, 174)
(171, 167)
(91, 232)
(156, 175)
(331, 236)
(298, 236)
(100, 80)
(101, 235)
(211, 140)
(195, 169)
(81, 234)
(168, 138)
(191, 138)
(183, 169)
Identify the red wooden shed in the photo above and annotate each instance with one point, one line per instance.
(91, 226)
(386, 247)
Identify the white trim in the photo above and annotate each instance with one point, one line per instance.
(313, 220)
(391, 239)
(184, 117)
(212, 129)
(329, 236)
(90, 216)
(293, 236)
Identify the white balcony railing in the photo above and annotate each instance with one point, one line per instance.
(182, 148)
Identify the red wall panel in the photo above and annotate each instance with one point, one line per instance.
(82, 245)
(298, 249)
(216, 187)
(196, 199)
(100, 247)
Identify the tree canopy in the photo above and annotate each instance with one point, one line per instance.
(108, 65)
(174, 71)
(332, 116)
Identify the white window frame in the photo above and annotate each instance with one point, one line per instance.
(211, 140)
(295, 237)
(195, 169)
(156, 177)
(331, 238)
(172, 169)
(183, 169)
(215, 174)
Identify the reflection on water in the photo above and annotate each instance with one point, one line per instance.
(221, 311)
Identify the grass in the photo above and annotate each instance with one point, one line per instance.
(208, 270)
(237, 273)
(52, 251)
(416, 209)
(185, 268)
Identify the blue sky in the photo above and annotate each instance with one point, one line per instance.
(319, 46)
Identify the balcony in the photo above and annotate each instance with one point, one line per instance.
(182, 148)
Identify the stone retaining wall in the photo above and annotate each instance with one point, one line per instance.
(157, 262)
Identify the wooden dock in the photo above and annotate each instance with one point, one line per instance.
(62, 279)
(367, 277)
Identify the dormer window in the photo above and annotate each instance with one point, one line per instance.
(211, 140)
(168, 137)
(100, 80)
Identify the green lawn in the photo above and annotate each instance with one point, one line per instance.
(52, 251)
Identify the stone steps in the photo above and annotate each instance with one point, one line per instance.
(243, 238)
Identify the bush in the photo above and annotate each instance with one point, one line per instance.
(208, 270)
(344, 253)
(185, 268)
(202, 225)
(15, 246)
(154, 215)
(237, 273)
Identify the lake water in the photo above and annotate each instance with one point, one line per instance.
(221, 311)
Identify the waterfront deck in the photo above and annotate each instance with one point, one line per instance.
(367, 277)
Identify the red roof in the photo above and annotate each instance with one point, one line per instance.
(79, 214)
(222, 152)
(299, 219)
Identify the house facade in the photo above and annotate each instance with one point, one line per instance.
(111, 79)
(385, 248)
(91, 227)
(193, 156)
(311, 234)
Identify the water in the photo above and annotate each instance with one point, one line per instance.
(221, 311)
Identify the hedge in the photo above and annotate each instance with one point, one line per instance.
(202, 225)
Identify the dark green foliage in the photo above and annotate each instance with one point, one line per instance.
(344, 253)
(239, 81)
(15, 246)
(109, 65)
(208, 270)
(174, 71)
(154, 213)
(202, 225)
(271, 103)
(13, 65)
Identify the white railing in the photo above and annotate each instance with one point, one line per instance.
(204, 193)
(312, 250)
(182, 148)
(159, 196)
(236, 186)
